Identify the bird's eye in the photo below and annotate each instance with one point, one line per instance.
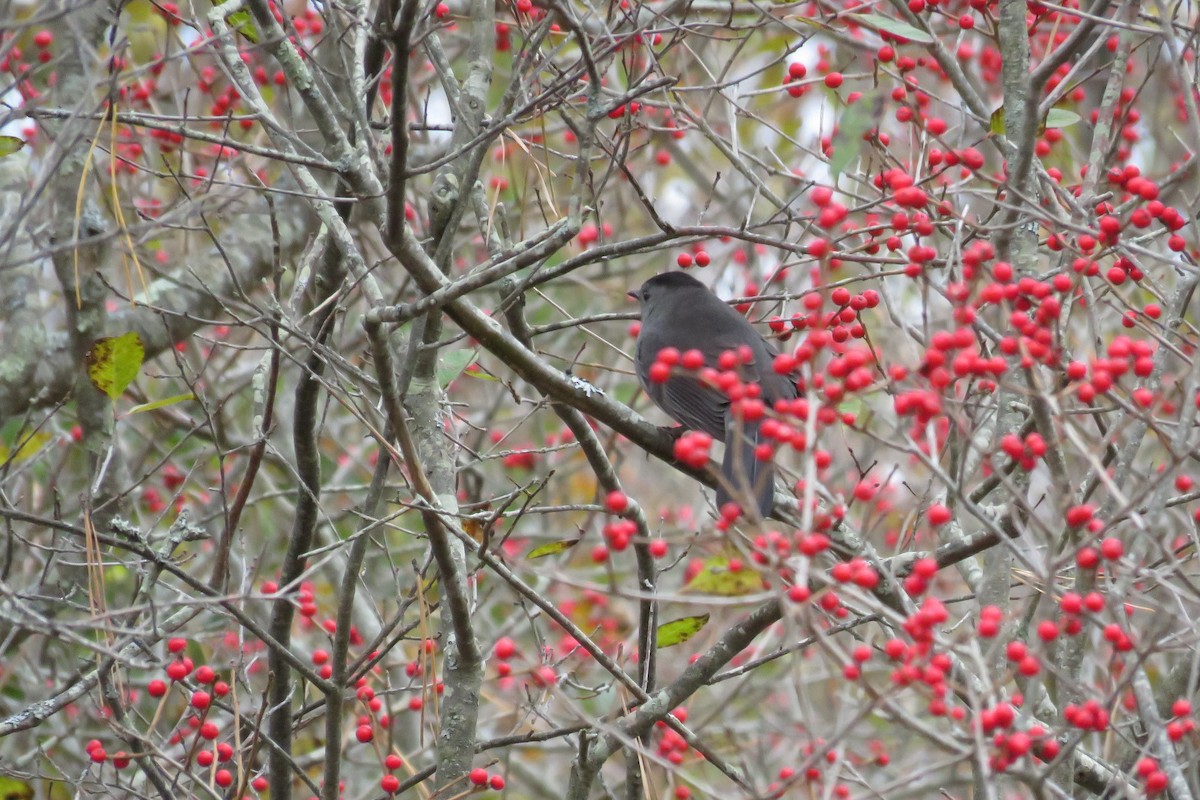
(645, 296)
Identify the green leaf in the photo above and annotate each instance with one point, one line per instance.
(1056, 118)
(720, 576)
(451, 364)
(679, 631)
(113, 363)
(893, 26)
(13, 789)
(479, 374)
(551, 548)
(242, 22)
(1061, 118)
(146, 30)
(856, 120)
(166, 401)
(851, 405)
(27, 448)
(996, 122)
(10, 145)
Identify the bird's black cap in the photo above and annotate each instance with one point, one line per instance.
(675, 279)
(666, 280)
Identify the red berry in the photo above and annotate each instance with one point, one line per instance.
(938, 515)
(1071, 603)
(478, 776)
(1087, 558)
(1112, 548)
(833, 80)
(616, 502)
(505, 648)
(1079, 515)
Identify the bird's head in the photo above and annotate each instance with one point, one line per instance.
(664, 285)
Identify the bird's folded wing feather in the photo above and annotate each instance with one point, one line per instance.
(693, 404)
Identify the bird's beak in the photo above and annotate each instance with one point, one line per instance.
(635, 294)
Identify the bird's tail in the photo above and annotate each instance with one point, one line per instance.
(745, 479)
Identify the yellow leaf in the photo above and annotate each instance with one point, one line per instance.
(146, 30)
(430, 590)
(678, 631)
(550, 548)
(28, 447)
(996, 123)
(726, 577)
(113, 363)
(10, 145)
(166, 401)
(13, 789)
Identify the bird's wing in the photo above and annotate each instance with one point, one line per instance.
(729, 332)
(683, 397)
(776, 386)
(695, 405)
(722, 328)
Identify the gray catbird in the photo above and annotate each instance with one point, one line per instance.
(679, 311)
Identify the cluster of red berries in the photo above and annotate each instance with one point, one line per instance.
(480, 777)
(98, 755)
(855, 571)
(1088, 715)
(390, 783)
(590, 234)
(1009, 746)
(916, 583)
(692, 449)
(791, 79)
(1101, 374)
(698, 259)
